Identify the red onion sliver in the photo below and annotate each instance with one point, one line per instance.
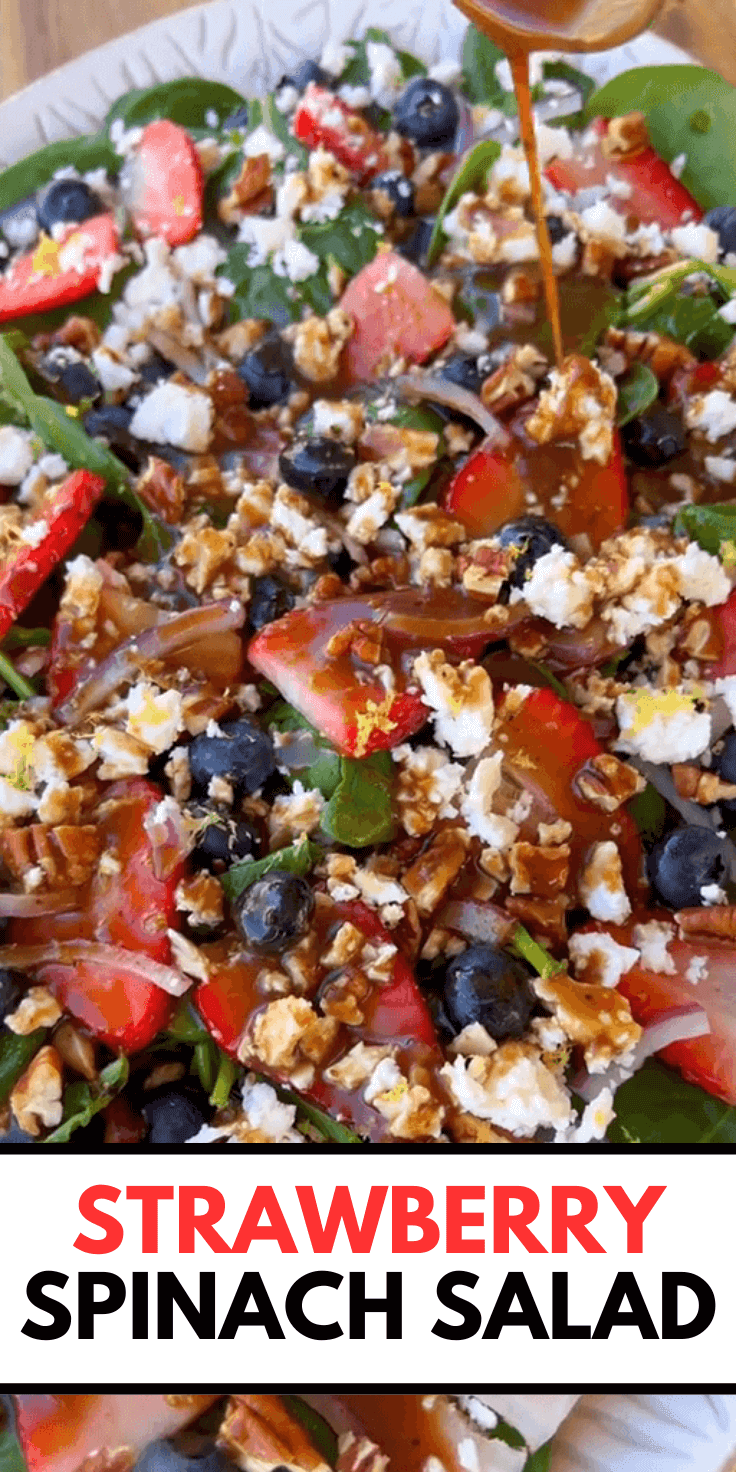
(441, 391)
(677, 1026)
(485, 922)
(158, 642)
(30, 906)
(72, 952)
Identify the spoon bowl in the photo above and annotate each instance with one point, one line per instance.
(571, 25)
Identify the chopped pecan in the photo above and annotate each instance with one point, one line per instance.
(699, 786)
(361, 638)
(596, 1017)
(76, 1049)
(608, 782)
(515, 379)
(626, 136)
(430, 876)
(250, 192)
(66, 855)
(661, 354)
(81, 333)
(545, 916)
(539, 869)
(162, 488)
(258, 1432)
(36, 1098)
(718, 921)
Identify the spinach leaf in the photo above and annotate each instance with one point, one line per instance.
(539, 1461)
(659, 305)
(658, 1107)
(186, 101)
(259, 292)
(21, 180)
(297, 859)
(22, 638)
(279, 125)
(584, 85)
(324, 771)
(357, 73)
(471, 176)
(713, 527)
(228, 1073)
(351, 238)
(360, 811)
(15, 1054)
(636, 392)
(17, 682)
(11, 1456)
(320, 1432)
(82, 1100)
(329, 1128)
(186, 1025)
(649, 811)
(642, 87)
(480, 56)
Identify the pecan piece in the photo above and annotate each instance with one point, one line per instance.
(258, 1432)
(718, 921)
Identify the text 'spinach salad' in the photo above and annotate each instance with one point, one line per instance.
(368, 758)
(272, 1433)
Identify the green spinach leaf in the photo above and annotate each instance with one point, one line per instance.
(636, 392)
(658, 1107)
(713, 527)
(471, 176)
(539, 1461)
(480, 57)
(326, 1126)
(15, 1054)
(298, 859)
(82, 1100)
(11, 1456)
(642, 87)
(351, 238)
(360, 811)
(584, 85)
(323, 772)
(259, 292)
(22, 179)
(189, 101)
(649, 811)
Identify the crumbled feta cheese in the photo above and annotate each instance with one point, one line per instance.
(552, 143)
(601, 884)
(386, 75)
(564, 251)
(154, 716)
(702, 577)
(652, 940)
(477, 808)
(16, 454)
(714, 414)
(113, 375)
(461, 698)
(295, 260)
(696, 970)
(557, 589)
(662, 725)
(602, 222)
(174, 415)
(595, 1119)
(336, 57)
(262, 140)
(696, 240)
(602, 954)
(512, 1088)
(200, 258)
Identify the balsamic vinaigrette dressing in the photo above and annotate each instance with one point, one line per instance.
(520, 74)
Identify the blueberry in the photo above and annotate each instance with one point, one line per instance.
(270, 600)
(303, 74)
(155, 369)
(11, 990)
(225, 840)
(427, 113)
(19, 223)
(237, 120)
(165, 1456)
(722, 219)
(67, 368)
(111, 421)
(172, 1117)
(415, 248)
(654, 438)
(274, 911)
(466, 372)
(684, 863)
(318, 464)
(243, 755)
(556, 228)
(66, 202)
(397, 190)
(268, 373)
(528, 538)
(724, 763)
(484, 985)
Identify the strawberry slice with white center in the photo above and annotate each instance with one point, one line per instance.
(164, 185)
(396, 312)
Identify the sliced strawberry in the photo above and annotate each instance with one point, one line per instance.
(336, 691)
(131, 908)
(709, 1061)
(492, 486)
(58, 272)
(58, 520)
(322, 118)
(654, 195)
(547, 743)
(725, 620)
(397, 312)
(164, 184)
(58, 1433)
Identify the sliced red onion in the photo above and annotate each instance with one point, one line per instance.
(158, 642)
(30, 906)
(441, 391)
(173, 835)
(478, 921)
(677, 1026)
(182, 357)
(74, 952)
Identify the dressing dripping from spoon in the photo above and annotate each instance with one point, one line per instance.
(522, 26)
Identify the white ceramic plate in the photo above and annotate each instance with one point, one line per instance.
(250, 45)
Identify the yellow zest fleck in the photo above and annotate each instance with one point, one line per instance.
(45, 258)
(22, 742)
(72, 410)
(392, 1096)
(179, 204)
(646, 705)
(727, 553)
(375, 717)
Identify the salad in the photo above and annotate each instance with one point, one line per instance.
(368, 761)
(260, 1433)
